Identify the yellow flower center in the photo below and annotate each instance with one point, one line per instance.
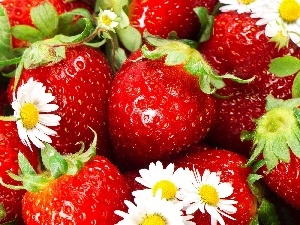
(154, 219)
(29, 115)
(106, 20)
(209, 194)
(289, 10)
(246, 2)
(168, 188)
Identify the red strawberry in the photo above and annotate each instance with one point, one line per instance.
(3, 100)
(81, 189)
(156, 110)
(10, 146)
(276, 141)
(240, 47)
(161, 18)
(80, 85)
(20, 15)
(229, 166)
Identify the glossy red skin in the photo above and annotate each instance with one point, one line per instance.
(10, 145)
(89, 197)
(284, 180)
(235, 114)
(240, 47)
(230, 165)
(18, 12)
(155, 111)
(162, 17)
(82, 98)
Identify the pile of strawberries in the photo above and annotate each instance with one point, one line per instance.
(149, 112)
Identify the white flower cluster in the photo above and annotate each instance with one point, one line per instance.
(173, 196)
(281, 17)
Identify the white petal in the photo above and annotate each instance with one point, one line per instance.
(34, 140)
(214, 213)
(49, 119)
(45, 129)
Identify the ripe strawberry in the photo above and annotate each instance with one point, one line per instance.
(80, 84)
(156, 110)
(240, 47)
(250, 55)
(276, 141)
(229, 166)
(80, 189)
(10, 146)
(20, 15)
(161, 18)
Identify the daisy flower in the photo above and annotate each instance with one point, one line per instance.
(282, 16)
(241, 6)
(107, 19)
(154, 210)
(168, 180)
(208, 194)
(31, 110)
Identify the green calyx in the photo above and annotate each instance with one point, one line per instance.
(177, 52)
(56, 165)
(277, 133)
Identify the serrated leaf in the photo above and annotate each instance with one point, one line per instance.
(5, 36)
(284, 66)
(27, 33)
(130, 37)
(45, 18)
(281, 149)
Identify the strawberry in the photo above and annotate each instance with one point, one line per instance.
(3, 100)
(80, 83)
(156, 110)
(229, 166)
(276, 148)
(81, 189)
(20, 15)
(246, 102)
(10, 146)
(240, 47)
(162, 18)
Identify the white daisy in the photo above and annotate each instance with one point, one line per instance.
(282, 16)
(31, 109)
(156, 177)
(241, 6)
(154, 210)
(107, 19)
(208, 194)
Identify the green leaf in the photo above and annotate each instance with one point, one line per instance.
(247, 135)
(267, 213)
(41, 53)
(252, 178)
(296, 86)
(206, 21)
(53, 161)
(27, 33)
(45, 18)
(284, 66)
(79, 37)
(25, 165)
(281, 149)
(130, 37)
(270, 158)
(10, 61)
(5, 36)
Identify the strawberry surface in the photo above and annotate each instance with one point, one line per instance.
(154, 111)
(80, 84)
(10, 146)
(161, 18)
(89, 197)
